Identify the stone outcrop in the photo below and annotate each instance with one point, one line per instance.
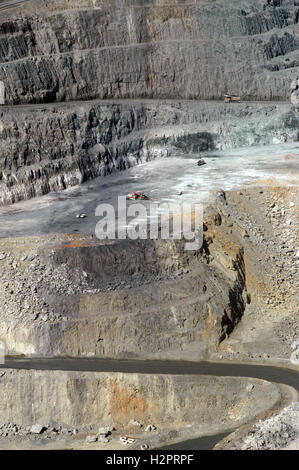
(76, 50)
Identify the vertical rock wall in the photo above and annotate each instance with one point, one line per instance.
(67, 50)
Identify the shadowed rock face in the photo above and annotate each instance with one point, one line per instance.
(68, 50)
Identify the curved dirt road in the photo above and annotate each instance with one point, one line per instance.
(270, 373)
(6, 4)
(279, 375)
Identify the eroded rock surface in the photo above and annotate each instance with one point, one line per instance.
(68, 50)
(77, 298)
(52, 147)
(83, 401)
(72, 295)
(80, 50)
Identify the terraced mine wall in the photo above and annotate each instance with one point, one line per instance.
(124, 300)
(81, 399)
(193, 49)
(51, 147)
(73, 51)
(70, 295)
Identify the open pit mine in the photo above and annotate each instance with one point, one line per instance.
(120, 119)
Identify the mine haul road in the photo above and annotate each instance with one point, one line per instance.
(72, 103)
(5, 4)
(270, 373)
(280, 375)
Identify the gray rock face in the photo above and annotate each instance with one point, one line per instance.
(158, 398)
(118, 324)
(51, 147)
(67, 50)
(78, 50)
(295, 92)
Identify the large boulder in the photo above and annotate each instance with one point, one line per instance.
(37, 428)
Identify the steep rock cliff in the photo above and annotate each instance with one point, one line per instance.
(67, 50)
(51, 147)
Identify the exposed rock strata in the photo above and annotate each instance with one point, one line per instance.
(60, 303)
(95, 399)
(78, 50)
(62, 50)
(49, 148)
(70, 295)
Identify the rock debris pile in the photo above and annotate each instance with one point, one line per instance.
(278, 432)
